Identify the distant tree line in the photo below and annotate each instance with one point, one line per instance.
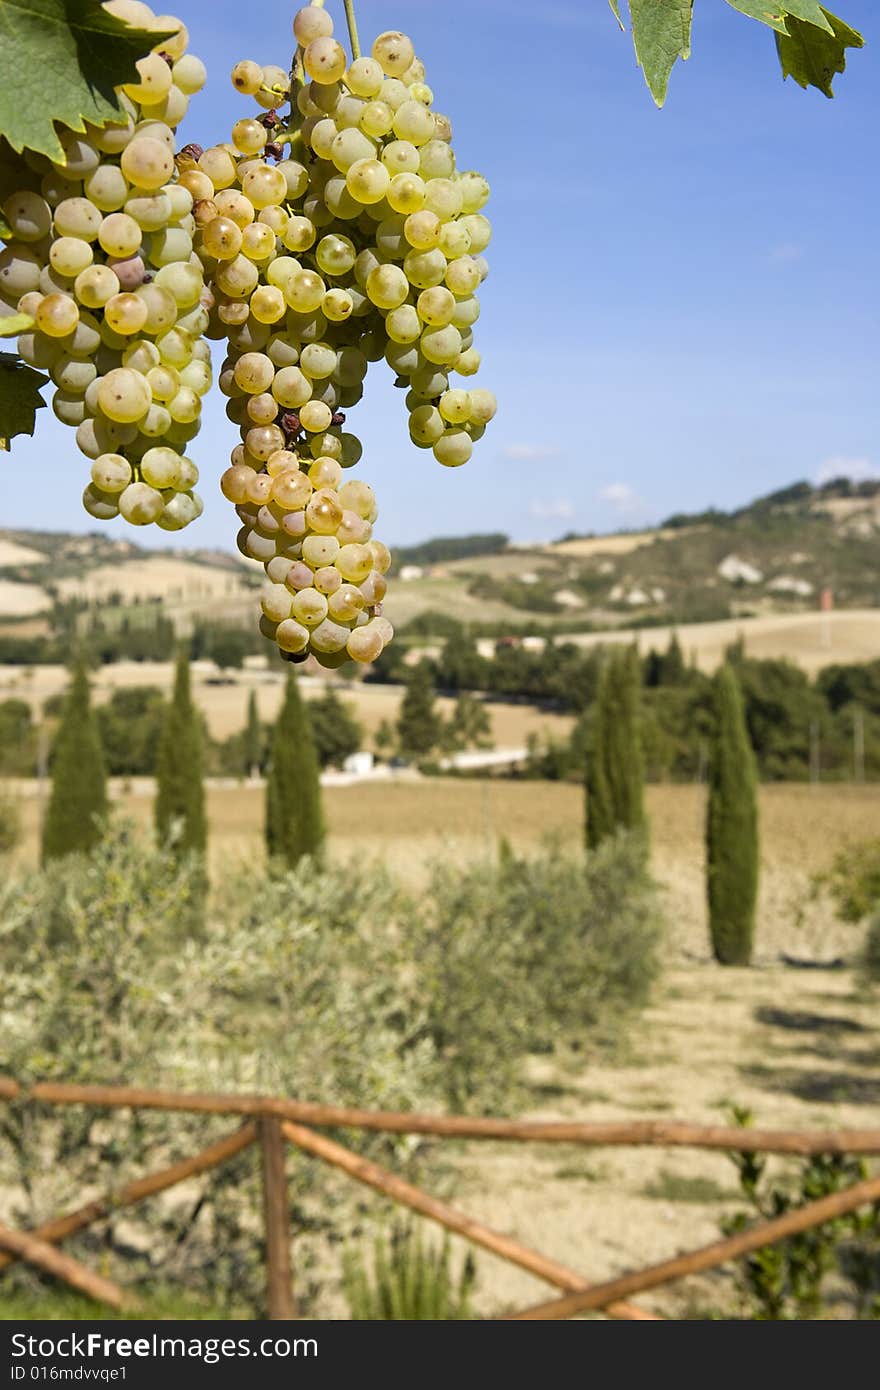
(146, 635)
(441, 548)
(826, 728)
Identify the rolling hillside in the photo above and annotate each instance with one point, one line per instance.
(760, 571)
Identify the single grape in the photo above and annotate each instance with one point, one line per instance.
(394, 52)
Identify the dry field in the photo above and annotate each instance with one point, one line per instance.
(799, 1045)
(624, 544)
(224, 701)
(811, 640)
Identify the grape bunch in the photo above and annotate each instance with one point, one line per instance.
(101, 258)
(331, 239)
(314, 242)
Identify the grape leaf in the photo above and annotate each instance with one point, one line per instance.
(765, 10)
(20, 397)
(615, 10)
(13, 324)
(662, 35)
(813, 57)
(60, 61)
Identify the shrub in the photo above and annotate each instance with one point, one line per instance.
(289, 994)
(528, 954)
(871, 953)
(854, 880)
(411, 1281)
(10, 825)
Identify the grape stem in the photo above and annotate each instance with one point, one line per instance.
(352, 28)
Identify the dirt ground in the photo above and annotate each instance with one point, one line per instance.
(798, 1043)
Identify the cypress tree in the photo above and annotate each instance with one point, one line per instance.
(731, 827)
(180, 796)
(294, 816)
(599, 808)
(253, 739)
(623, 747)
(615, 768)
(418, 727)
(78, 799)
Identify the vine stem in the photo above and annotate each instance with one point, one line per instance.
(352, 28)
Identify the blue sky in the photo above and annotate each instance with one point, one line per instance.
(682, 308)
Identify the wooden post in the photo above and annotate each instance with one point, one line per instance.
(279, 1291)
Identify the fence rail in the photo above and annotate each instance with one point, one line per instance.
(272, 1122)
(658, 1133)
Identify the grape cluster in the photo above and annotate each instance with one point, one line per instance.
(314, 243)
(101, 257)
(331, 240)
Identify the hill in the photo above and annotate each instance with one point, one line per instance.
(769, 560)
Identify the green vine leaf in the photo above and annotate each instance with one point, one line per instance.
(13, 324)
(764, 10)
(662, 35)
(813, 57)
(811, 42)
(20, 397)
(60, 61)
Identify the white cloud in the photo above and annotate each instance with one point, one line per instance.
(561, 510)
(786, 252)
(623, 498)
(840, 466)
(530, 452)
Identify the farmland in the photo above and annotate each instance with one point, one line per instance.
(798, 1045)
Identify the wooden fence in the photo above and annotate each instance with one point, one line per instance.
(272, 1123)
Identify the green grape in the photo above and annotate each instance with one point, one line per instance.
(70, 256)
(57, 315)
(441, 345)
(101, 505)
(406, 193)
(324, 60)
(367, 180)
(436, 160)
(401, 157)
(387, 286)
(111, 473)
(413, 123)
(125, 313)
(140, 504)
(335, 254)
(124, 395)
(364, 77)
(403, 324)
(426, 424)
(29, 216)
(161, 468)
(453, 449)
(424, 269)
(376, 119)
(394, 53)
(147, 163)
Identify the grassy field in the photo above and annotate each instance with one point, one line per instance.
(800, 1046)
